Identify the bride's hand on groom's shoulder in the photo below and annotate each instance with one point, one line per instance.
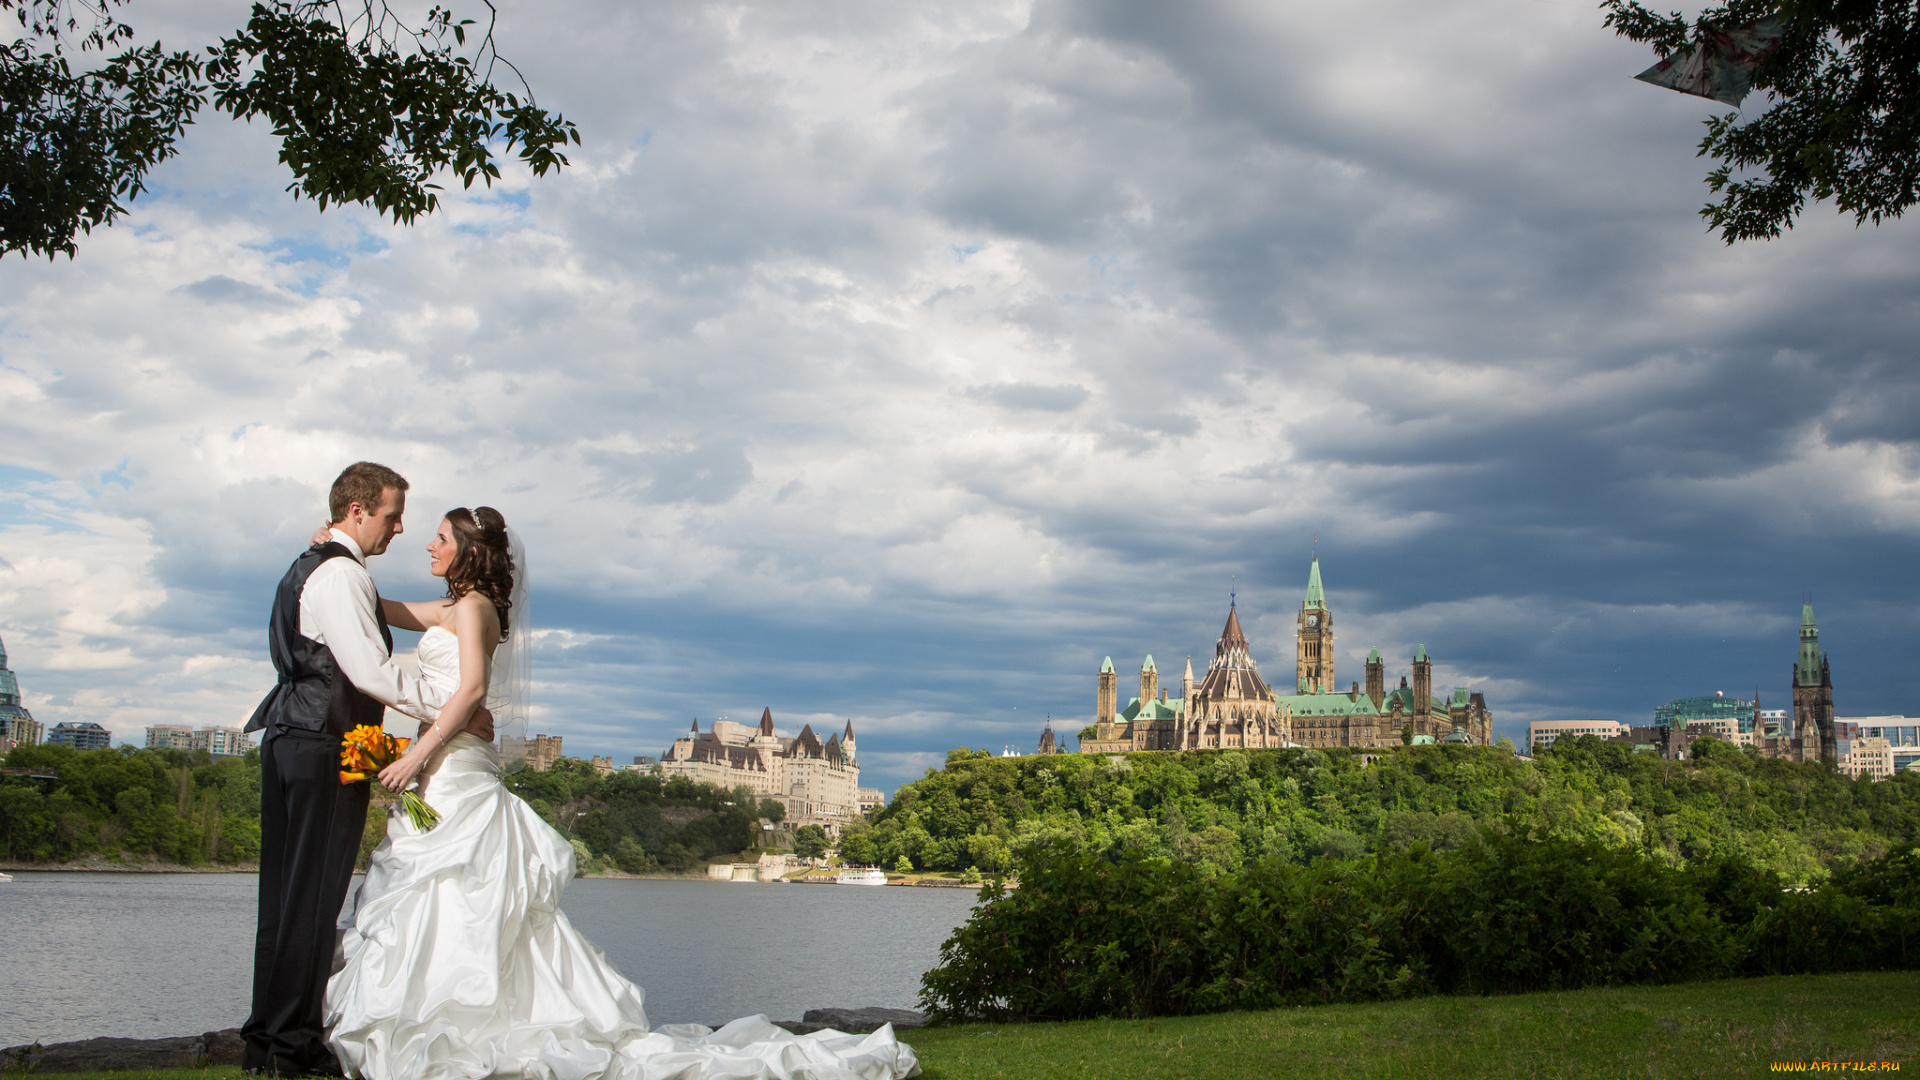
(321, 535)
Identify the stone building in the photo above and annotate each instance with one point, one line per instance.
(818, 783)
(543, 751)
(1233, 706)
(1813, 736)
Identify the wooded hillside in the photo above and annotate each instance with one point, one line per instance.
(1221, 808)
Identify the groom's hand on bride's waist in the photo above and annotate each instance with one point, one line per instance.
(481, 725)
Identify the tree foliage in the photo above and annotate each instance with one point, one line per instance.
(1844, 123)
(1089, 936)
(368, 109)
(162, 805)
(187, 808)
(1219, 809)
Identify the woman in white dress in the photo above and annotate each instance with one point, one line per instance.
(459, 963)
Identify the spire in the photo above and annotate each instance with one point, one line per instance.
(1106, 665)
(1232, 635)
(1148, 666)
(1374, 656)
(1419, 653)
(766, 720)
(847, 735)
(696, 725)
(1316, 598)
(1812, 660)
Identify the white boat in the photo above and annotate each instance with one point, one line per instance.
(6, 876)
(866, 876)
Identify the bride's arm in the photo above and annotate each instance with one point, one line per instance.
(474, 623)
(414, 615)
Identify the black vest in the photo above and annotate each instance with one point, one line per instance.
(312, 694)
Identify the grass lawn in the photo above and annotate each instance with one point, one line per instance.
(1734, 1028)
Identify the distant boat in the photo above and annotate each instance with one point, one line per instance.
(5, 877)
(868, 876)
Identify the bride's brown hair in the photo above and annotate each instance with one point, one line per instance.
(481, 561)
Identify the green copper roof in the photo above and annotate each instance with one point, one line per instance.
(1153, 709)
(1328, 705)
(1807, 671)
(1419, 654)
(1148, 666)
(1374, 656)
(1315, 597)
(1106, 666)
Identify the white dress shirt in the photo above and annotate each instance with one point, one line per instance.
(337, 610)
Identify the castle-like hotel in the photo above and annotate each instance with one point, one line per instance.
(818, 783)
(1233, 706)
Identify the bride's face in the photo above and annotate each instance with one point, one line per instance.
(441, 549)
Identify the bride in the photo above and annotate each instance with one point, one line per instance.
(459, 963)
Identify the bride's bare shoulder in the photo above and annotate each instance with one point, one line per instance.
(478, 607)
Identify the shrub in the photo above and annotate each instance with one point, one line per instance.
(1085, 936)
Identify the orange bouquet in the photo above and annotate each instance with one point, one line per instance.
(366, 750)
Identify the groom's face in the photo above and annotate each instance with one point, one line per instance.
(375, 530)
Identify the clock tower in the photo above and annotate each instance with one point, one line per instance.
(1315, 638)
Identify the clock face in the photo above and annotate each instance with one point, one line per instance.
(1313, 620)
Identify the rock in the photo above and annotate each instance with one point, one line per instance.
(125, 1055)
(224, 1047)
(799, 1027)
(862, 1020)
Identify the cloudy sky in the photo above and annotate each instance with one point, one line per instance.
(896, 362)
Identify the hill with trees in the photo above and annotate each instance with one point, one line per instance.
(1220, 809)
(186, 808)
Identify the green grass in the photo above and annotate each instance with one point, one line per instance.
(1733, 1028)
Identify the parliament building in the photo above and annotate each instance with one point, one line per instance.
(1232, 706)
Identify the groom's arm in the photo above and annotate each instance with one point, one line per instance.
(336, 610)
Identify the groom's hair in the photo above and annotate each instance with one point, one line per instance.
(362, 482)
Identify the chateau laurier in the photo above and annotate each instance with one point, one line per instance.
(1233, 706)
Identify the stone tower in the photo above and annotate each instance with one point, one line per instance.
(1813, 691)
(1315, 638)
(1186, 681)
(846, 738)
(1422, 682)
(1376, 678)
(1149, 681)
(1109, 693)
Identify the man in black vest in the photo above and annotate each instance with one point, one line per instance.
(333, 652)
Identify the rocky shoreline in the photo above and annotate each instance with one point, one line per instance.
(216, 1048)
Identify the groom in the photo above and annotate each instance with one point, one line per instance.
(333, 652)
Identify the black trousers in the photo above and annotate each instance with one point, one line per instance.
(310, 827)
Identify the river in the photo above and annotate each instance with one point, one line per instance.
(148, 955)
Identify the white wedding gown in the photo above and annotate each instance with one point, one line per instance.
(461, 965)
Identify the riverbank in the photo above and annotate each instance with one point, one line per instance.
(101, 864)
(1732, 1028)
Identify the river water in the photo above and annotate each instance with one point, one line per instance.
(150, 955)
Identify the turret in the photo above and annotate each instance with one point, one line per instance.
(1186, 681)
(846, 740)
(1376, 678)
(1107, 704)
(1149, 681)
(1422, 682)
(1813, 692)
(1314, 638)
